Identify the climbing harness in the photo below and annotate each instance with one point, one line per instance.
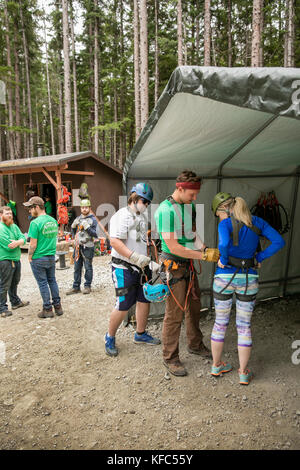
(239, 263)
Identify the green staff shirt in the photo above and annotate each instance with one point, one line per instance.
(7, 235)
(45, 229)
(177, 220)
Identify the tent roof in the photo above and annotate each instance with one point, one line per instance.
(221, 121)
(23, 165)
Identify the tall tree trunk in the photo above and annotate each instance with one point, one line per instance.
(115, 140)
(122, 150)
(49, 94)
(18, 140)
(261, 52)
(197, 19)
(289, 53)
(229, 33)
(185, 61)
(207, 33)
(29, 106)
(213, 49)
(96, 82)
(156, 72)
(179, 33)
(144, 64)
(137, 96)
(256, 33)
(61, 125)
(11, 146)
(67, 79)
(76, 121)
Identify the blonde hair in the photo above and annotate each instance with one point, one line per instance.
(238, 207)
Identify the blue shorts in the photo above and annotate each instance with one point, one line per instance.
(123, 278)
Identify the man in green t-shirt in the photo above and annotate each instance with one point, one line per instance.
(11, 239)
(43, 232)
(48, 205)
(175, 220)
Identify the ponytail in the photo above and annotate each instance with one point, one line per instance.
(241, 211)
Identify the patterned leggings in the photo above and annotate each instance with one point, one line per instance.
(244, 309)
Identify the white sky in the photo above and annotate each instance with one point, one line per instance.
(78, 23)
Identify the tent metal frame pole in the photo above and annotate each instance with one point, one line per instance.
(215, 177)
(290, 240)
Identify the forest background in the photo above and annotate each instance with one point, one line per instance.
(85, 74)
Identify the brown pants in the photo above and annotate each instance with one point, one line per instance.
(174, 316)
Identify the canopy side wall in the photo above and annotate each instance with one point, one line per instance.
(273, 269)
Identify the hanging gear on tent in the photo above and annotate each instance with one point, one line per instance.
(269, 209)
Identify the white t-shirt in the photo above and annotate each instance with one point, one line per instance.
(131, 229)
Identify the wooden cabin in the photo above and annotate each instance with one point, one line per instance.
(45, 175)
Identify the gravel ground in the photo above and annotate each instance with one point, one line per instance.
(59, 390)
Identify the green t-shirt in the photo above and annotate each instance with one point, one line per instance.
(178, 219)
(45, 229)
(7, 234)
(48, 207)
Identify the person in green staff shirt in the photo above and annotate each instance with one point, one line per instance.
(48, 206)
(11, 239)
(43, 232)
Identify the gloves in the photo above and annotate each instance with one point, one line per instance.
(211, 254)
(85, 224)
(75, 223)
(140, 260)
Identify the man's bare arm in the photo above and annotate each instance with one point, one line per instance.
(32, 248)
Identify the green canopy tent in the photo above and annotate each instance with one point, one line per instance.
(239, 128)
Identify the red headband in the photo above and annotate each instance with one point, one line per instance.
(189, 185)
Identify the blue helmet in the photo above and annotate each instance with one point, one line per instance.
(143, 190)
(156, 293)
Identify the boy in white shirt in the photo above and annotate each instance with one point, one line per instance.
(128, 238)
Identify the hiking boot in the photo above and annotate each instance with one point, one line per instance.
(6, 313)
(202, 351)
(58, 309)
(21, 304)
(176, 368)
(46, 313)
(221, 369)
(73, 291)
(110, 345)
(145, 338)
(86, 290)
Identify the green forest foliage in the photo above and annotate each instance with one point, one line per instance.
(116, 71)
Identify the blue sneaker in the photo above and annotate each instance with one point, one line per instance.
(110, 345)
(145, 338)
(246, 378)
(221, 369)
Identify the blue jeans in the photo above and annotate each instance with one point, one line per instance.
(85, 259)
(10, 275)
(44, 272)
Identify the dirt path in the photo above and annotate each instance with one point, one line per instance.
(59, 390)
